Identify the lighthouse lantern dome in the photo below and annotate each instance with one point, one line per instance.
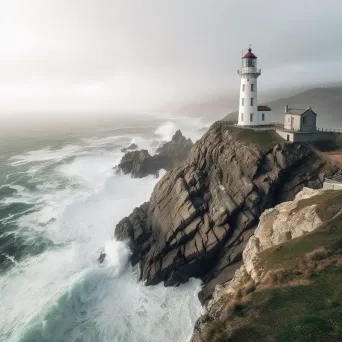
(249, 59)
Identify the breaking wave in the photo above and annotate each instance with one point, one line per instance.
(58, 209)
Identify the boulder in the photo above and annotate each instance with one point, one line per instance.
(101, 257)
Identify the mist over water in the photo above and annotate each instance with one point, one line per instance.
(59, 204)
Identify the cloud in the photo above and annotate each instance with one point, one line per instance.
(111, 55)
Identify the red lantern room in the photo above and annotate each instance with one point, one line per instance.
(249, 59)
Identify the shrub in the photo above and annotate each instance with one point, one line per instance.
(215, 331)
(318, 254)
(249, 288)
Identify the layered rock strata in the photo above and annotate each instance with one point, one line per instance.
(202, 212)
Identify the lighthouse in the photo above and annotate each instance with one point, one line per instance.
(250, 114)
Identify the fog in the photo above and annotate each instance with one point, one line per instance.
(86, 58)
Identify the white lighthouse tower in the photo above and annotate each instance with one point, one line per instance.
(250, 114)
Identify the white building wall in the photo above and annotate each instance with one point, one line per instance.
(249, 77)
(292, 122)
(306, 137)
(267, 118)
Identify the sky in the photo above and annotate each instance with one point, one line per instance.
(116, 56)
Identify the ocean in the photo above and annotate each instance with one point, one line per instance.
(60, 200)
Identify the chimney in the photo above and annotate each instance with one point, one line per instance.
(286, 108)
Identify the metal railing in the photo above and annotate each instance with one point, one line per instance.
(280, 125)
(249, 70)
(337, 130)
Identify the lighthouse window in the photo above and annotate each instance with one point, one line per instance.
(242, 102)
(243, 87)
(251, 117)
(252, 87)
(241, 116)
(263, 116)
(252, 101)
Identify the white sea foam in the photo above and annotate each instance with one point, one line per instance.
(104, 141)
(45, 154)
(189, 127)
(166, 131)
(63, 294)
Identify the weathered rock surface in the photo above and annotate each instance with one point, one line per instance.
(140, 163)
(202, 213)
(174, 152)
(131, 147)
(286, 221)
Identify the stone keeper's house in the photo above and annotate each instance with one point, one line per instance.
(303, 120)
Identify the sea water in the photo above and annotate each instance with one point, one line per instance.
(59, 204)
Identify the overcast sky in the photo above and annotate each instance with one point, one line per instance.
(111, 55)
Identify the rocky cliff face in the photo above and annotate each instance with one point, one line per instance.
(141, 164)
(202, 213)
(310, 211)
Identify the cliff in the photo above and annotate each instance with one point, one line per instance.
(288, 287)
(202, 213)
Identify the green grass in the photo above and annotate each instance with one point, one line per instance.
(286, 255)
(265, 139)
(295, 313)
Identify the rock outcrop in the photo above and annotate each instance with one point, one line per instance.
(140, 163)
(202, 213)
(131, 147)
(311, 210)
(174, 152)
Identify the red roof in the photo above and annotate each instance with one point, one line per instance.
(250, 54)
(262, 108)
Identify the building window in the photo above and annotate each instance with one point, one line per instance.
(252, 101)
(304, 120)
(242, 102)
(251, 117)
(252, 86)
(263, 116)
(241, 116)
(243, 87)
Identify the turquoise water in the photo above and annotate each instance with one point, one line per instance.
(59, 203)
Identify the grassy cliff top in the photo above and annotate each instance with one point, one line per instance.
(302, 312)
(266, 139)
